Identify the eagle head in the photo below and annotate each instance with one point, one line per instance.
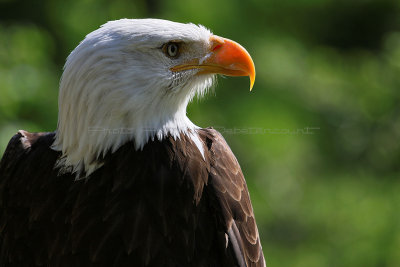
(131, 80)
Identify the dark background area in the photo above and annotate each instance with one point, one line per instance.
(317, 138)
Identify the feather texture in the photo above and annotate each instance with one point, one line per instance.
(117, 87)
(162, 206)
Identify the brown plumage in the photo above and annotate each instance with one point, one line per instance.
(165, 205)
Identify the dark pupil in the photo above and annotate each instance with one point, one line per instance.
(172, 49)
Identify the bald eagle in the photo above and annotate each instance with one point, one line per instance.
(127, 179)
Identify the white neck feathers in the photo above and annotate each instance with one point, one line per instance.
(116, 88)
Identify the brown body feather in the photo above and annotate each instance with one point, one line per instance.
(165, 205)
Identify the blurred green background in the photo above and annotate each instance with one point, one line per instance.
(317, 138)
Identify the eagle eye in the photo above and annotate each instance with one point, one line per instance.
(171, 49)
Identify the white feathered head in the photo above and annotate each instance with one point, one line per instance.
(132, 79)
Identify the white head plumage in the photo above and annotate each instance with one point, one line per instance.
(119, 85)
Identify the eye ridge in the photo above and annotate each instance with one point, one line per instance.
(171, 49)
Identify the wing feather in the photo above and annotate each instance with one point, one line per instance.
(230, 187)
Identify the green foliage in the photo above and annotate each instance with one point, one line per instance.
(317, 138)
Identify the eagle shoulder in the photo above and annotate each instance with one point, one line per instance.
(229, 185)
(20, 146)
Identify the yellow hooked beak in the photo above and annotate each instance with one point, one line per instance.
(225, 57)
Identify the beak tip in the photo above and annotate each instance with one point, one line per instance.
(252, 79)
